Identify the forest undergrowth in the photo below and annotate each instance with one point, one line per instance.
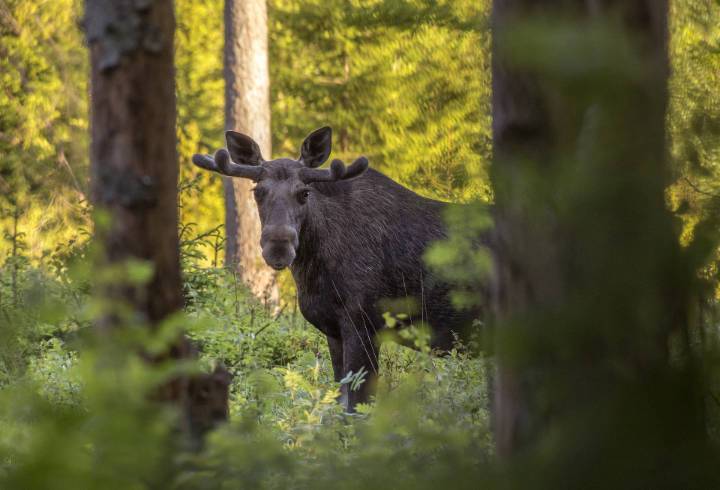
(66, 392)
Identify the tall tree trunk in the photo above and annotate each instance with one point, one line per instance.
(587, 289)
(133, 154)
(247, 110)
(135, 165)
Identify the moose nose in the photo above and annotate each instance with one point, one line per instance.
(279, 233)
(279, 265)
(278, 255)
(278, 245)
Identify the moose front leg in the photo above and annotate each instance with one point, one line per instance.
(336, 356)
(360, 353)
(335, 346)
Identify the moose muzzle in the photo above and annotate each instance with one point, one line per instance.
(278, 245)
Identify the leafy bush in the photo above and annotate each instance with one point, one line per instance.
(74, 411)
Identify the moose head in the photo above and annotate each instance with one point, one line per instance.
(283, 192)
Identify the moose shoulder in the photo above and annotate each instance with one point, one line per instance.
(352, 238)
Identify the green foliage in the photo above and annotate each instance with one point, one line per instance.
(200, 124)
(694, 120)
(74, 410)
(413, 98)
(43, 120)
(695, 105)
(429, 425)
(463, 259)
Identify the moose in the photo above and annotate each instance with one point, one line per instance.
(352, 238)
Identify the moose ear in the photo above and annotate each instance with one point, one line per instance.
(316, 148)
(243, 149)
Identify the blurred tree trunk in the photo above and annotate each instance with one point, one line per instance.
(134, 169)
(247, 110)
(587, 289)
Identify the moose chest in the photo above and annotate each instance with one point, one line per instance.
(318, 299)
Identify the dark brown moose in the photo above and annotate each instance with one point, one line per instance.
(352, 238)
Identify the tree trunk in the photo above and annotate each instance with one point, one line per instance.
(133, 154)
(586, 290)
(247, 110)
(134, 165)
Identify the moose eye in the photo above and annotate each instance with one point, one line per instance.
(302, 196)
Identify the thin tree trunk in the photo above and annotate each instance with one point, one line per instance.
(585, 292)
(134, 168)
(247, 110)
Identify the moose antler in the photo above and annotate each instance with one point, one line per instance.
(337, 171)
(222, 164)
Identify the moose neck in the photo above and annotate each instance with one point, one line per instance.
(320, 236)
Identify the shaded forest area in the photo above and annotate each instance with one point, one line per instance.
(582, 139)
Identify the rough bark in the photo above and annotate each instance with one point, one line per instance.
(134, 167)
(545, 260)
(247, 110)
(133, 156)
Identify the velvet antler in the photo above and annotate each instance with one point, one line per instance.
(337, 171)
(222, 164)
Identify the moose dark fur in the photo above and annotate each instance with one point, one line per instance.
(352, 238)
